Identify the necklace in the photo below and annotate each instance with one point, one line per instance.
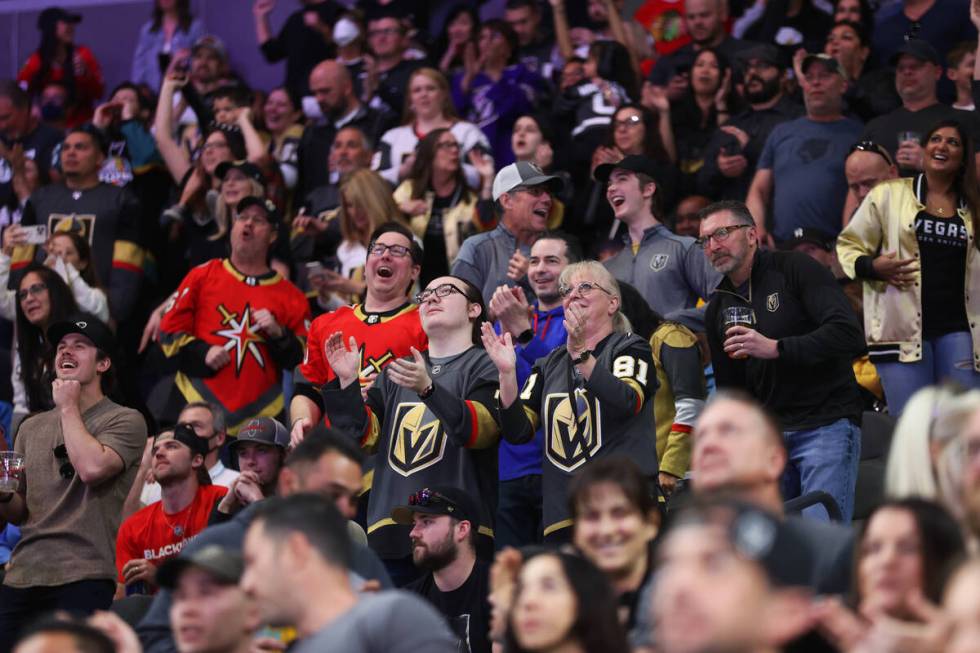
(177, 529)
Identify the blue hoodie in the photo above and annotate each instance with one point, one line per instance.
(518, 460)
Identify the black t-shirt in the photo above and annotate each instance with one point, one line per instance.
(466, 608)
(942, 248)
(884, 129)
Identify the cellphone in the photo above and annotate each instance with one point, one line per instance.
(183, 65)
(37, 234)
(313, 269)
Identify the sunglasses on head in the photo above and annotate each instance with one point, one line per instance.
(426, 497)
(873, 148)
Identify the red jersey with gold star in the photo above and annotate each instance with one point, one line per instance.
(216, 305)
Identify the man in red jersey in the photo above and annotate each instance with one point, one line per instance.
(234, 324)
(386, 325)
(159, 531)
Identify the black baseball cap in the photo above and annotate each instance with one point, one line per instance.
(765, 52)
(803, 235)
(247, 168)
(263, 430)
(634, 163)
(438, 500)
(185, 434)
(50, 16)
(271, 212)
(223, 564)
(921, 50)
(87, 325)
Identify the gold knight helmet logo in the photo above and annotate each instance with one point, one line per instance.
(415, 443)
(572, 441)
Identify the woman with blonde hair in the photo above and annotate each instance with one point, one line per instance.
(926, 456)
(428, 106)
(365, 204)
(593, 397)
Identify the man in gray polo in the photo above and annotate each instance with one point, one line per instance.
(670, 271)
(524, 195)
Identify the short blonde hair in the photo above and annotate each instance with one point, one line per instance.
(598, 272)
(366, 189)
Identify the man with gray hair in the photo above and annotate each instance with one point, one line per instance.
(524, 196)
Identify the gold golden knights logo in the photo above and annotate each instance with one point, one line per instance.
(571, 441)
(417, 439)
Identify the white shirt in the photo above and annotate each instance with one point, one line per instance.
(220, 475)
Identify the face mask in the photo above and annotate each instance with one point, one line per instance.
(52, 112)
(345, 32)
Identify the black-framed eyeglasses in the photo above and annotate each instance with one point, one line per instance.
(398, 251)
(720, 235)
(34, 289)
(584, 288)
(426, 497)
(448, 145)
(627, 122)
(66, 470)
(440, 291)
(873, 148)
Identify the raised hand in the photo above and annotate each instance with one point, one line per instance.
(517, 266)
(500, 349)
(510, 306)
(344, 358)
(411, 372)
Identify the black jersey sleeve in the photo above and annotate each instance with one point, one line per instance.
(629, 384)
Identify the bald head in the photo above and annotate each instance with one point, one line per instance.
(737, 447)
(331, 85)
(865, 170)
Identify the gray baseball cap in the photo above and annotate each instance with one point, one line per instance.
(222, 563)
(263, 430)
(523, 174)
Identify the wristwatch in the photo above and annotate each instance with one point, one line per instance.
(584, 356)
(526, 336)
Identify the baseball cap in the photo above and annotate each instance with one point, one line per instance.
(438, 500)
(47, 18)
(264, 430)
(807, 235)
(634, 163)
(213, 43)
(828, 62)
(185, 434)
(523, 174)
(271, 212)
(224, 564)
(921, 50)
(87, 325)
(765, 52)
(247, 168)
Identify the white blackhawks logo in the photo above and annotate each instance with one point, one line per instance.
(241, 336)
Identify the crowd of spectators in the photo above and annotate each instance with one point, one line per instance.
(531, 325)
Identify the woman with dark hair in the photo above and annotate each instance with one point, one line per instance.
(871, 89)
(43, 298)
(493, 90)
(432, 415)
(59, 60)
(458, 34)
(922, 284)
(283, 113)
(170, 30)
(441, 208)
(855, 11)
(562, 602)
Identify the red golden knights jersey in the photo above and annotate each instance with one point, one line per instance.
(382, 338)
(215, 305)
(151, 534)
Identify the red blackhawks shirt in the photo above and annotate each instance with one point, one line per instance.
(215, 305)
(151, 534)
(382, 337)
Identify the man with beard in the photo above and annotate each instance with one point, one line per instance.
(331, 85)
(444, 521)
(536, 330)
(734, 149)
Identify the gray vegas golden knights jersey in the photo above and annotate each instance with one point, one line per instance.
(613, 415)
(449, 438)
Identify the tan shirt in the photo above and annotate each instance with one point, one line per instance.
(70, 531)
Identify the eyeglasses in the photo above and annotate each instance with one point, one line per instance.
(720, 235)
(444, 290)
(67, 470)
(533, 191)
(584, 288)
(398, 251)
(34, 289)
(448, 145)
(874, 148)
(251, 217)
(426, 497)
(627, 122)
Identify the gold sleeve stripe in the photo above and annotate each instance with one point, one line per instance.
(371, 431)
(366, 482)
(485, 530)
(128, 255)
(172, 346)
(557, 526)
(21, 256)
(484, 431)
(638, 389)
(532, 417)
